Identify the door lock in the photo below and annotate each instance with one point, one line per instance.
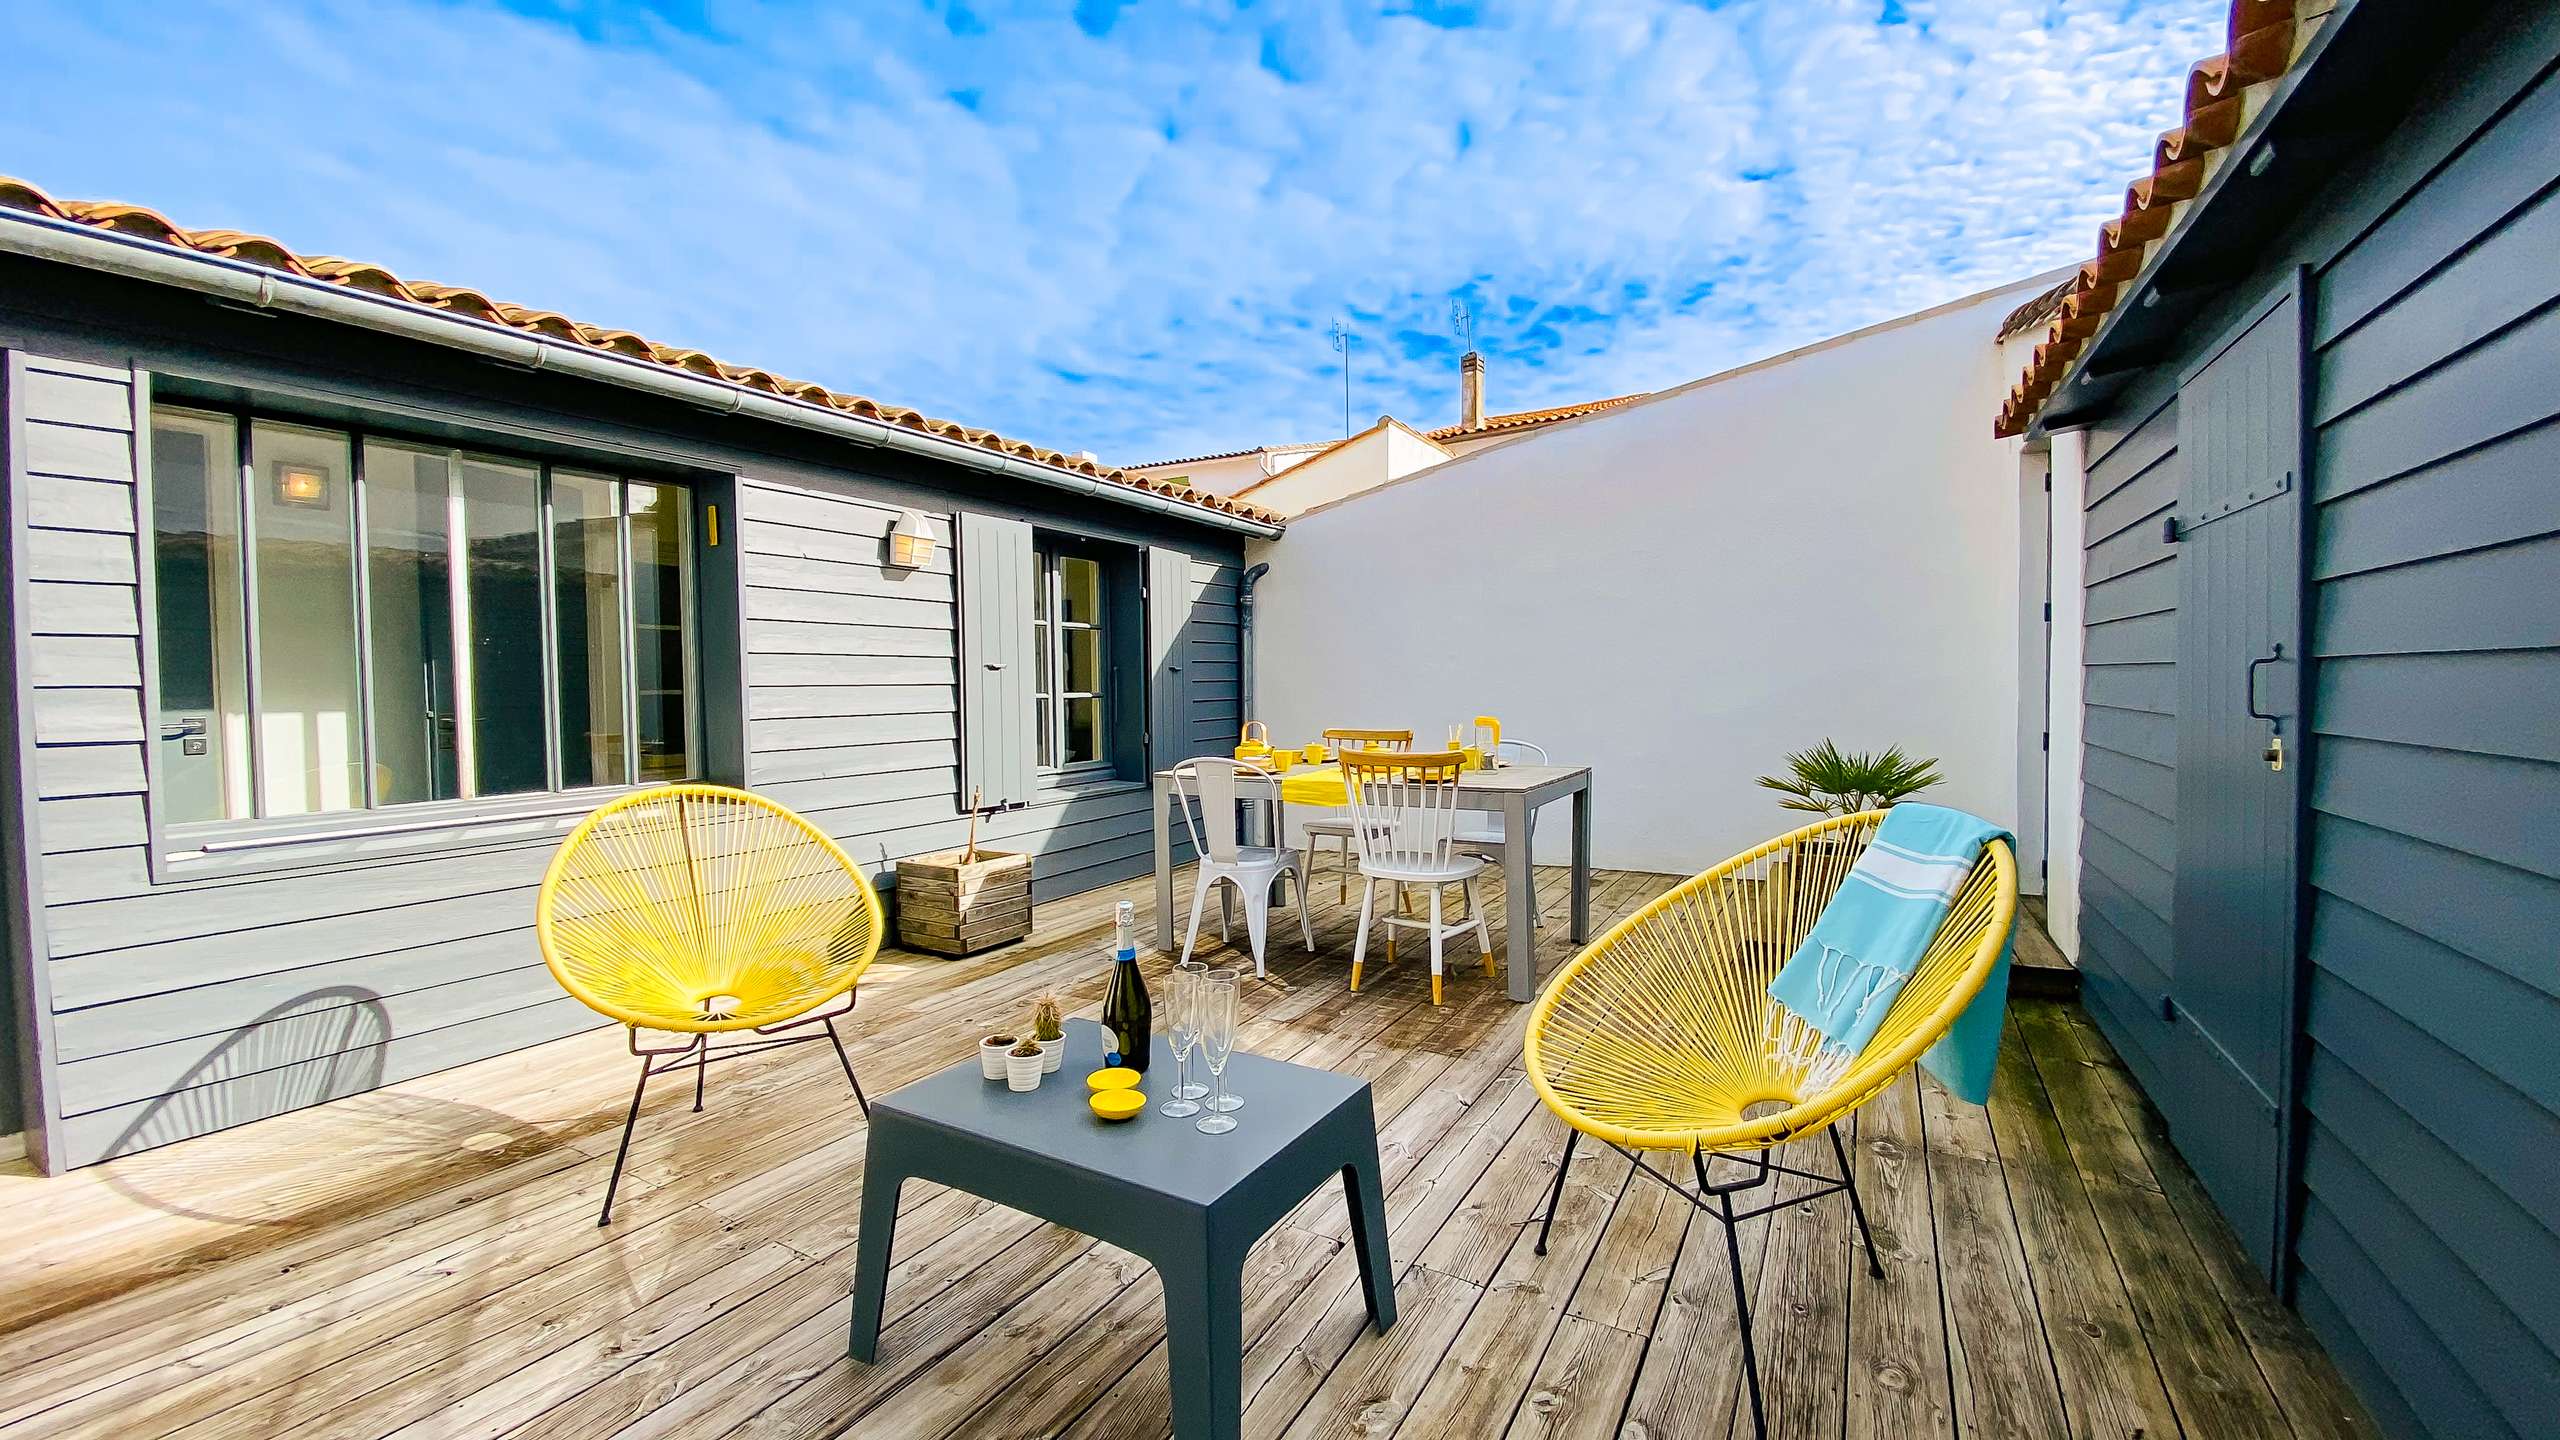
(2275, 752)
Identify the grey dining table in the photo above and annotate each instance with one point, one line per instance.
(1515, 792)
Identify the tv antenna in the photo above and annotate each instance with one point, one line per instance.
(1342, 340)
(1463, 320)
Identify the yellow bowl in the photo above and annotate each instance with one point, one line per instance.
(1118, 1105)
(1117, 1077)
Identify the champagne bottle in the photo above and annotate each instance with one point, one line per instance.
(1128, 1017)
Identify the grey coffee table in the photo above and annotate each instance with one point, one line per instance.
(1191, 1204)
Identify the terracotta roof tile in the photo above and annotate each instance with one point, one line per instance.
(259, 250)
(1520, 420)
(2261, 40)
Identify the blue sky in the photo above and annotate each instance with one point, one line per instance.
(1127, 227)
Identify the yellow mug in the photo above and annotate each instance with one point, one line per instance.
(1314, 754)
(1475, 756)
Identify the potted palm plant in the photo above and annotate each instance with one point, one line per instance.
(1827, 780)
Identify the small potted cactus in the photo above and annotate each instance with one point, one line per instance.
(991, 1052)
(1022, 1066)
(1049, 1028)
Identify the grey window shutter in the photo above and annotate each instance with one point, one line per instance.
(1169, 739)
(998, 756)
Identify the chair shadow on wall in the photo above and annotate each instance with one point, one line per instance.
(321, 1046)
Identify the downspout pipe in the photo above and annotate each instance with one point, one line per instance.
(1244, 633)
(70, 243)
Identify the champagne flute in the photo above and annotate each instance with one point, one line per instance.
(1225, 1102)
(1183, 1029)
(1214, 1007)
(1184, 1087)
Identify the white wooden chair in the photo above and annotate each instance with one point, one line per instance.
(1338, 828)
(1209, 785)
(1404, 820)
(1480, 831)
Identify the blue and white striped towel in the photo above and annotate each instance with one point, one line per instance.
(1838, 986)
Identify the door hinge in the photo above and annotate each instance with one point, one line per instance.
(2048, 612)
(2169, 530)
(2045, 742)
(2169, 1009)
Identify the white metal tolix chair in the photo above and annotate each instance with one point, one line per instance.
(1404, 820)
(1480, 831)
(1210, 785)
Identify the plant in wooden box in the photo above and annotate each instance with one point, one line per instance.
(962, 901)
(1827, 780)
(1049, 1028)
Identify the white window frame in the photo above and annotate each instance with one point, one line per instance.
(1049, 629)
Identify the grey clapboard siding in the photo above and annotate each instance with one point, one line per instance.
(2128, 845)
(2432, 1154)
(179, 1004)
(884, 769)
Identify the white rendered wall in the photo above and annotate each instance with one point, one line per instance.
(1680, 591)
(2062, 778)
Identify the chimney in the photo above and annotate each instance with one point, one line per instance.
(1471, 391)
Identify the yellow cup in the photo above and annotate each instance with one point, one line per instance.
(1314, 754)
(1475, 757)
(1281, 760)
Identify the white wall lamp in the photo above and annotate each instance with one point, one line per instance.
(910, 541)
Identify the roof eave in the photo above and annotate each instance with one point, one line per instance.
(2346, 86)
(71, 242)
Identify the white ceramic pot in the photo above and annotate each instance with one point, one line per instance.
(1022, 1072)
(991, 1057)
(1053, 1053)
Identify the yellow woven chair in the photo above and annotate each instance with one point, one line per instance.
(1660, 1036)
(689, 911)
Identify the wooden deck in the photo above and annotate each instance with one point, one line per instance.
(424, 1260)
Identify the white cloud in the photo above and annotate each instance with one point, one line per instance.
(1135, 243)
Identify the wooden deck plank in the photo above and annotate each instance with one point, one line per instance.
(2203, 1361)
(2110, 1383)
(2304, 1380)
(422, 1261)
(1898, 1382)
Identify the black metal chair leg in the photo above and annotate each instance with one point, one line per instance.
(846, 1061)
(624, 1153)
(1741, 1309)
(701, 1064)
(1555, 1197)
(1849, 1178)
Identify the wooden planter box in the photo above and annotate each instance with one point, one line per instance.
(951, 907)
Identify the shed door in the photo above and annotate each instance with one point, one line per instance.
(2240, 672)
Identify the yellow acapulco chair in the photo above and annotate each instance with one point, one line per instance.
(688, 911)
(1661, 1035)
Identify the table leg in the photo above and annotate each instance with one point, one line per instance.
(1204, 1334)
(1164, 865)
(1366, 1199)
(1520, 901)
(871, 1265)
(1582, 865)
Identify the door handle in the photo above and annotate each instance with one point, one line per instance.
(2251, 685)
